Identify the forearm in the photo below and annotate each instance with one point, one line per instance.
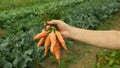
(104, 39)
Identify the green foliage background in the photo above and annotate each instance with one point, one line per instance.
(17, 48)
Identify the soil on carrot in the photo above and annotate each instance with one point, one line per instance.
(80, 55)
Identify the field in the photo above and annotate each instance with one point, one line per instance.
(21, 20)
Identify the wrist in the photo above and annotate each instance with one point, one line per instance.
(75, 33)
(71, 32)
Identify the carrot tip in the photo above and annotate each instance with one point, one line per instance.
(38, 46)
(65, 48)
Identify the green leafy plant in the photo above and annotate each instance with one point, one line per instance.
(17, 48)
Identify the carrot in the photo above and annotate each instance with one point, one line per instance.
(57, 51)
(61, 40)
(42, 40)
(53, 40)
(47, 44)
(40, 35)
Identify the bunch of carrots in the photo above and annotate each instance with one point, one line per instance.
(52, 39)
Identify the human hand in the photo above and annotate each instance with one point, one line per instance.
(62, 27)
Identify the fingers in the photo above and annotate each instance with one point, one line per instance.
(55, 22)
(48, 27)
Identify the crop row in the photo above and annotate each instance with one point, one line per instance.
(18, 48)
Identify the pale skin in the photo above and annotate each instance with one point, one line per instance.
(105, 39)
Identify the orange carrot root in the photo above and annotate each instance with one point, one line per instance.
(40, 35)
(53, 40)
(41, 41)
(57, 51)
(61, 40)
(47, 44)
